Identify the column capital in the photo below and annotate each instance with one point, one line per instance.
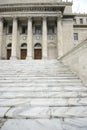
(59, 17)
(29, 17)
(44, 17)
(15, 18)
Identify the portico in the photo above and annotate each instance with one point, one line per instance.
(38, 30)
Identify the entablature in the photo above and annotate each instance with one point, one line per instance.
(30, 14)
(31, 8)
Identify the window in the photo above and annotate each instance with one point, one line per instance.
(38, 30)
(24, 29)
(50, 29)
(10, 29)
(81, 21)
(24, 45)
(74, 21)
(9, 45)
(75, 36)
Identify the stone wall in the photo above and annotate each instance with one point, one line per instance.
(76, 59)
(67, 35)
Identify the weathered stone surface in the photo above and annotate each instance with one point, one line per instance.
(41, 124)
(2, 122)
(41, 96)
(3, 111)
(75, 124)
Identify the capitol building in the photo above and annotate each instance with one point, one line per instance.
(43, 66)
(34, 29)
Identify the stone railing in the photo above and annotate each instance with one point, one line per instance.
(76, 59)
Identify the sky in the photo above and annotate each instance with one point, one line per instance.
(79, 6)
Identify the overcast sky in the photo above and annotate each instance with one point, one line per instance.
(79, 6)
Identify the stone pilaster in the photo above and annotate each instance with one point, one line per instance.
(1, 35)
(44, 38)
(59, 37)
(29, 39)
(14, 39)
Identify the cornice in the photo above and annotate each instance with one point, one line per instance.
(36, 3)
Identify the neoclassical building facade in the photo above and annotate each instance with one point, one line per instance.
(36, 29)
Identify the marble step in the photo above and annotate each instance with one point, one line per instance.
(42, 89)
(61, 94)
(32, 124)
(36, 74)
(45, 124)
(38, 78)
(49, 84)
(52, 102)
(47, 112)
(40, 81)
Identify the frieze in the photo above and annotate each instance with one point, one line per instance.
(32, 14)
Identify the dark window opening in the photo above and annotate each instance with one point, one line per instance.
(38, 30)
(75, 36)
(10, 29)
(24, 29)
(50, 29)
(81, 21)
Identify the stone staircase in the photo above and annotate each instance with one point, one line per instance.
(41, 95)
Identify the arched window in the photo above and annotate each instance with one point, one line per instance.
(9, 45)
(24, 45)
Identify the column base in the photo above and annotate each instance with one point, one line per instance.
(29, 58)
(13, 58)
(44, 57)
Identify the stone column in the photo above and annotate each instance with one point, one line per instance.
(59, 37)
(44, 38)
(29, 39)
(1, 35)
(14, 39)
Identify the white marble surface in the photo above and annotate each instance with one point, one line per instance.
(3, 111)
(47, 112)
(45, 124)
(42, 124)
(29, 112)
(80, 111)
(42, 94)
(41, 98)
(75, 124)
(53, 102)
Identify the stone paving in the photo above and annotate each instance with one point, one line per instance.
(41, 95)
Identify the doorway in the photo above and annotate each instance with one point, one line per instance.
(37, 51)
(9, 46)
(8, 54)
(23, 53)
(37, 54)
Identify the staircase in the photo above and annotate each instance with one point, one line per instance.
(41, 95)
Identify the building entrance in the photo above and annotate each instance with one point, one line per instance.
(37, 51)
(9, 46)
(23, 53)
(8, 54)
